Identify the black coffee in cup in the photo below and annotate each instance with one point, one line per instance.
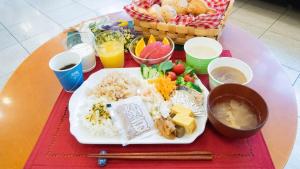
(67, 66)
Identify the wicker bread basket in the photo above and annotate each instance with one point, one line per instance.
(180, 33)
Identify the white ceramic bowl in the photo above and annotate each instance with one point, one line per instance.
(228, 62)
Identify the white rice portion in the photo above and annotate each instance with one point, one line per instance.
(106, 128)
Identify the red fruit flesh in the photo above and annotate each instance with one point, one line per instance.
(146, 52)
(155, 50)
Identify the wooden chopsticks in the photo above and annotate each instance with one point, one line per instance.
(189, 155)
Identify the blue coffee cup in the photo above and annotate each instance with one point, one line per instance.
(68, 69)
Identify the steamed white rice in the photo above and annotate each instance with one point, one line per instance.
(106, 127)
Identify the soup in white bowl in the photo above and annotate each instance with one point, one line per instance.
(228, 70)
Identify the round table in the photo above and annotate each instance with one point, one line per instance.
(32, 90)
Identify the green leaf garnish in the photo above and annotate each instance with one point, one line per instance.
(188, 70)
(165, 66)
(180, 81)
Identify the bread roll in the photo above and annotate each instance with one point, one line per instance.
(179, 5)
(155, 11)
(168, 12)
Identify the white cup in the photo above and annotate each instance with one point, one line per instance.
(228, 62)
(83, 44)
(87, 54)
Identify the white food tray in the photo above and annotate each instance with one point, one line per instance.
(84, 136)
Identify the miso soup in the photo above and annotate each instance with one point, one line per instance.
(236, 114)
(227, 74)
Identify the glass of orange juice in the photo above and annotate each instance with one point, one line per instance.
(110, 49)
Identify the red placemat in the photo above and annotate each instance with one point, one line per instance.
(57, 148)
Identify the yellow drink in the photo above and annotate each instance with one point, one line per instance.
(111, 54)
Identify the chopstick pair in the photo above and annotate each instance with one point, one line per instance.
(187, 155)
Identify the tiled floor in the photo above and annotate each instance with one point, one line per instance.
(26, 24)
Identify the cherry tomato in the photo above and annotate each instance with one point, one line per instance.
(188, 78)
(178, 69)
(172, 76)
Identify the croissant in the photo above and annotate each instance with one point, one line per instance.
(197, 7)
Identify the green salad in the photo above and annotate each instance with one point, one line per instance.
(183, 74)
